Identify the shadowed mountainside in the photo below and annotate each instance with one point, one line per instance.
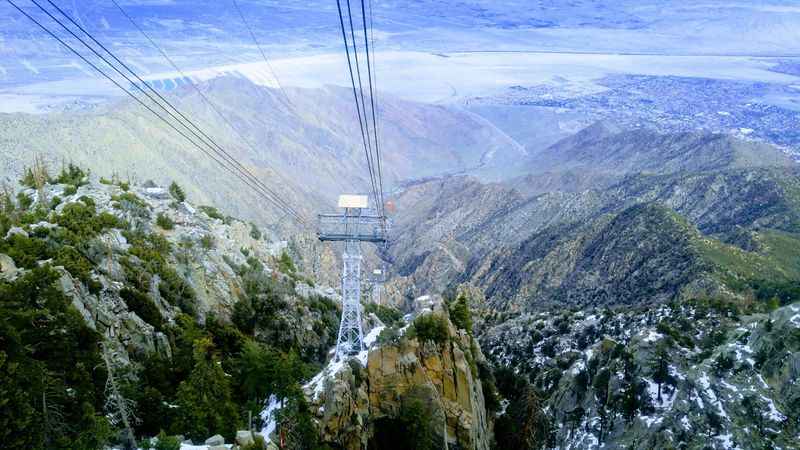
(659, 228)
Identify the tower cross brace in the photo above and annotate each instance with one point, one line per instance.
(352, 227)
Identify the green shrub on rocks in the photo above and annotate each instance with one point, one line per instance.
(429, 327)
(143, 306)
(164, 442)
(78, 266)
(460, 314)
(255, 233)
(73, 175)
(163, 221)
(24, 201)
(128, 200)
(207, 242)
(258, 444)
(212, 212)
(285, 264)
(388, 315)
(25, 251)
(177, 192)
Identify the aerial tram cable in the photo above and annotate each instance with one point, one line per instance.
(374, 79)
(202, 95)
(363, 109)
(145, 105)
(141, 102)
(355, 95)
(371, 162)
(264, 56)
(218, 150)
(203, 137)
(372, 101)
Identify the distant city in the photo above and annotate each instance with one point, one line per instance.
(768, 112)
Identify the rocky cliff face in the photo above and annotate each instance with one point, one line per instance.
(200, 255)
(357, 399)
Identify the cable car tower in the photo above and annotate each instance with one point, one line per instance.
(355, 225)
(377, 279)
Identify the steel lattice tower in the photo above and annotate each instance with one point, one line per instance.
(377, 280)
(352, 228)
(351, 337)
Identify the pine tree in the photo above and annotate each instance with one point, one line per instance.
(177, 192)
(524, 426)
(460, 314)
(48, 386)
(204, 398)
(285, 264)
(660, 368)
(120, 410)
(631, 400)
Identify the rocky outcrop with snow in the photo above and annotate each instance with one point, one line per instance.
(349, 398)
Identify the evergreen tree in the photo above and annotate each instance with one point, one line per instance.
(50, 384)
(285, 264)
(524, 426)
(264, 371)
(204, 399)
(632, 399)
(460, 314)
(177, 192)
(660, 368)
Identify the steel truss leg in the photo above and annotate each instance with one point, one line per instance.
(351, 338)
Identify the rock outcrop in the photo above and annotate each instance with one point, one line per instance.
(351, 403)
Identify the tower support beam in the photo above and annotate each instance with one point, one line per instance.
(351, 228)
(351, 337)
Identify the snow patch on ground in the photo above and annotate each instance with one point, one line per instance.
(761, 380)
(773, 414)
(729, 386)
(317, 384)
(673, 371)
(270, 417)
(667, 398)
(685, 423)
(652, 336)
(579, 365)
(649, 421)
(726, 441)
(705, 383)
(369, 339)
